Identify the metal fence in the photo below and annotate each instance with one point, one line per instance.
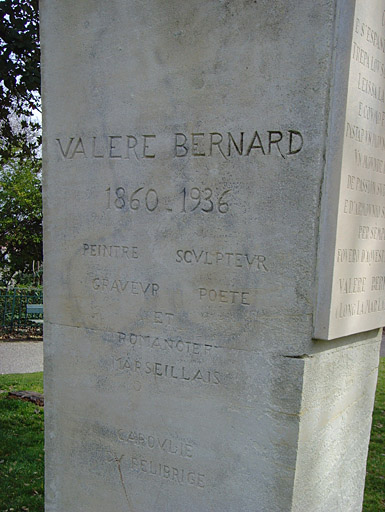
(13, 306)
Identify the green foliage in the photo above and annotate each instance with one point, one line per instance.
(21, 447)
(374, 499)
(20, 217)
(19, 76)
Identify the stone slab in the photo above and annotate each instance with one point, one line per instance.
(352, 241)
(336, 416)
(149, 429)
(27, 396)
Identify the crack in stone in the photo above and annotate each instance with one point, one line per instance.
(118, 461)
(303, 356)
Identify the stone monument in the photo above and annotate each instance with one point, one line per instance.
(214, 177)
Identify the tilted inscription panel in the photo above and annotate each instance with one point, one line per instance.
(355, 298)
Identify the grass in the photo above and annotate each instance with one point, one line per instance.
(21, 446)
(374, 497)
(22, 460)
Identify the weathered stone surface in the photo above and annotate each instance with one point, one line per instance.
(179, 443)
(336, 413)
(184, 168)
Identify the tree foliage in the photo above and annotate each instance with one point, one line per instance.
(20, 217)
(19, 77)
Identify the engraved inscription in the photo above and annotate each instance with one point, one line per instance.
(171, 372)
(369, 162)
(110, 251)
(370, 88)
(156, 442)
(368, 106)
(352, 207)
(163, 344)
(367, 186)
(364, 136)
(111, 146)
(378, 283)
(103, 284)
(222, 258)
(144, 147)
(360, 255)
(371, 233)
(369, 34)
(225, 296)
(166, 344)
(179, 475)
(353, 285)
(227, 144)
(162, 317)
(203, 200)
(360, 307)
(371, 114)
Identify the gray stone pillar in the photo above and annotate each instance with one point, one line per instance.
(214, 252)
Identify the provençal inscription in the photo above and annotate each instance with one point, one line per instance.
(357, 280)
(156, 442)
(370, 35)
(371, 89)
(362, 284)
(363, 181)
(371, 233)
(199, 144)
(364, 136)
(365, 256)
(353, 285)
(368, 186)
(360, 307)
(182, 475)
(362, 209)
(368, 162)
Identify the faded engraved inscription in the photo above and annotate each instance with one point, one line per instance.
(363, 184)
(357, 301)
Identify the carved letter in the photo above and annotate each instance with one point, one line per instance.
(131, 146)
(300, 145)
(180, 145)
(238, 148)
(276, 141)
(81, 150)
(145, 146)
(252, 146)
(65, 153)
